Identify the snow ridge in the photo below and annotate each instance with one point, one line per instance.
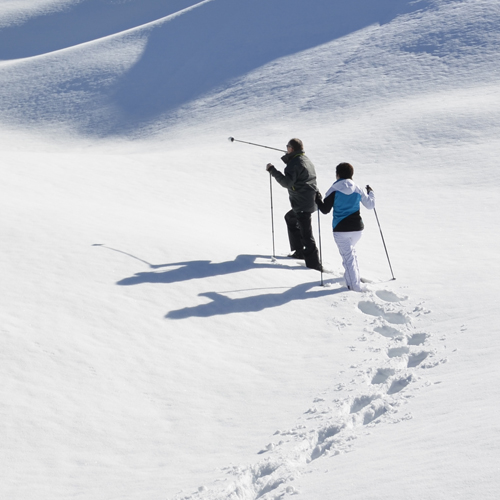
(363, 398)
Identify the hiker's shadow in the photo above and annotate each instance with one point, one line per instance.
(221, 304)
(197, 269)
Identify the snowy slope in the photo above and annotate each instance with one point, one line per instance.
(150, 345)
(115, 82)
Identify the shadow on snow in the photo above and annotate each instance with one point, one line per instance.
(221, 304)
(187, 56)
(232, 38)
(198, 269)
(67, 26)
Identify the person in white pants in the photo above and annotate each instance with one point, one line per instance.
(345, 197)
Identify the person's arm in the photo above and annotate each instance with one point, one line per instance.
(368, 198)
(325, 205)
(286, 180)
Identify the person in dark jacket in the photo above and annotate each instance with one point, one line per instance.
(299, 178)
(344, 196)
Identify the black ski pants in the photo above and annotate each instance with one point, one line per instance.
(301, 237)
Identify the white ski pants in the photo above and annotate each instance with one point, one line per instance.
(346, 243)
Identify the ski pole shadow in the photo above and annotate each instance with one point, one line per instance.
(221, 304)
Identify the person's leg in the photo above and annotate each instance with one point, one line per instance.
(346, 244)
(311, 254)
(344, 248)
(294, 236)
(355, 237)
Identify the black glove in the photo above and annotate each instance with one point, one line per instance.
(319, 198)
(368, 189)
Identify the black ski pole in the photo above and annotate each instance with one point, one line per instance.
(383, 241)
(272, 213)
(320, 252)
(232, 139)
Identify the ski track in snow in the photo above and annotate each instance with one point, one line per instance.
(364, 397)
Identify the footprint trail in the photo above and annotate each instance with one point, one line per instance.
(365, 396)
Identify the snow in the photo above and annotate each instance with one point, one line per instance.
(151, 347)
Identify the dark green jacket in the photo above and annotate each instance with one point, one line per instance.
(300, 179)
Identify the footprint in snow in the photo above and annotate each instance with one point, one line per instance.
(324, 441)
(369, 408)
(418, 339)
(397, 352)
(389, 296)
(361, 402)
(373, 413)
(372, 309)
(265, 469)
(382, 375)
(399, 385)
(417, 358)
(328, 432)
(387, 331)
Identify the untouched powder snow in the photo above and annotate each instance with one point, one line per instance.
(151, 347)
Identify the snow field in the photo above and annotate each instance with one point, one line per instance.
(151, 348)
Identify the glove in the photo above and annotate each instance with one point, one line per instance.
(269, 166)
(368, 189)
(319, 198)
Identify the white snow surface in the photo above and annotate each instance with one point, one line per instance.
(151, 347)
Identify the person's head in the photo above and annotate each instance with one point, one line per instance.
(344, 171)
(294, 146)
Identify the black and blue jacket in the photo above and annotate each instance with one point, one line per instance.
(344, 196)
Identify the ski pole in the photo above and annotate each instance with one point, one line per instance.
(320, 252)
(383, 241)
(272, 214)
(232, 139)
